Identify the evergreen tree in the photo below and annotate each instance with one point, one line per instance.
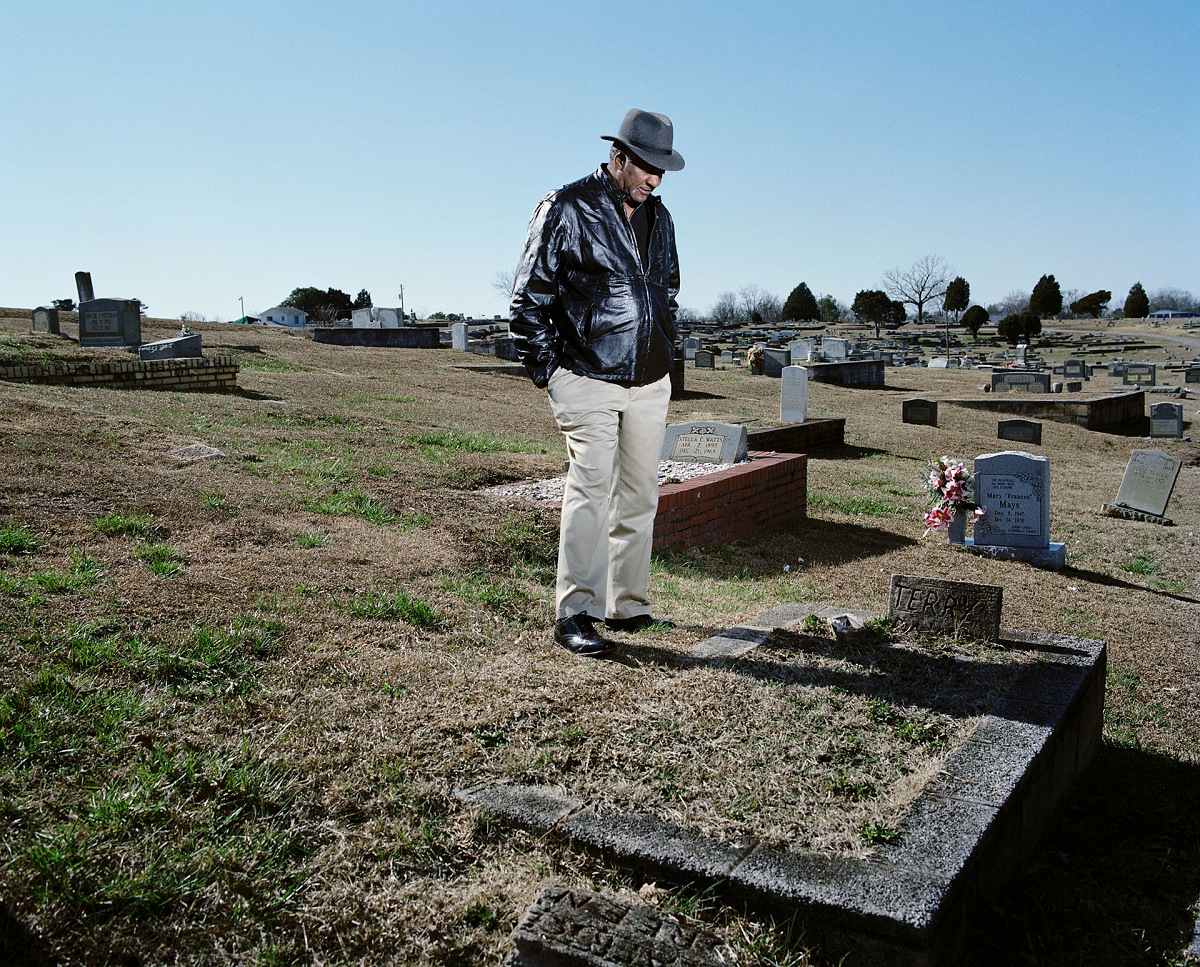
(1137, 303)
(1092, 305)
(958, 295)
(801, 305)
(1017, 326)
(973, 320)
(874, 307)
(1047, 298)
(831, 309)
(362, 300)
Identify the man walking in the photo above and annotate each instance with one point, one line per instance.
(593, 317)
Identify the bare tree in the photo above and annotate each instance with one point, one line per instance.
(726, 310)
(503, 283)
(754, 299)
(922, 282)
(1012, 304)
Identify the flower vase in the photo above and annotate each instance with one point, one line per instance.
(957, 533)
(756, 369)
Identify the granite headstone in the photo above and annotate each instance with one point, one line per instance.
(705, 442)
(1013, 488)
(919, 412)
(1020, 431)
(1149, 480)
(793, 395)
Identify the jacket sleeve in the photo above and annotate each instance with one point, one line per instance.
(535, 292)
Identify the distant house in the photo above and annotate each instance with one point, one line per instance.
(283, 316)
(1171, 314)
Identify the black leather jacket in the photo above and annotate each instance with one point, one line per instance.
(582, 298)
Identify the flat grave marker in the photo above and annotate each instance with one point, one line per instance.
(705, 442)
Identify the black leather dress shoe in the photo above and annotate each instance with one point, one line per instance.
(577, 634)
(638, 622)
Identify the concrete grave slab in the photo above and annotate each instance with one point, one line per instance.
(910, 901)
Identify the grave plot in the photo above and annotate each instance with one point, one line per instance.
(743, 803)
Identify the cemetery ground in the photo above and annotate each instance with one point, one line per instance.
(237, 694)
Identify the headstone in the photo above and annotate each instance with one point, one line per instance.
(1013, 488)
(46, 320)
(1022, 348)
(939, 362)
(728, 357)
(1166, 420)
(1074, 369)
(793, 395)
(458, 336)
(800, 348)
(704, 359)
(578, 927)
(180, 347)
(505, 347)
(705, 442)
(958, 608)
(110, 323)
(1117, 367)
(1192, 374)
(83, 287)
(1140, 374)
(1020, 431)
(835, 349)
(1149, 479)
(1074, 386)
(690, 345)
(774, 360)
(920, 412)
(1004, 380)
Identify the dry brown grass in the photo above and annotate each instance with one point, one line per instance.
(290, 799)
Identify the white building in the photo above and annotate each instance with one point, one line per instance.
(283, 316)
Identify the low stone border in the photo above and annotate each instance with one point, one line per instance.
(190, 373)
(911, 901)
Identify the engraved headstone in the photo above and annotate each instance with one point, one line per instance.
(83, 287)
(1004, 380)
(690, 345)
(1166, 420)
(920, 412)
(835, 349)
(800, 348)
(110, 323)
(774, 360)
(1022, 348)
(46, 320)
(180, 347)
(1192, 374)
(958, 608)
(458, 336)
(1074, 369)
(1140, 374)
(793, 395)
(1117, 367)
(704, 359)
(1149, 479)
(1020, 431)
(705, 442)
(1013, 488)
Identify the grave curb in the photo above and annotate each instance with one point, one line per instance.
(913, 900)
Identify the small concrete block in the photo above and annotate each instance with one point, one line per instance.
(577, 927)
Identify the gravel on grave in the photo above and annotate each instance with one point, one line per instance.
(669, 471)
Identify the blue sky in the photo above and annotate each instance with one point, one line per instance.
(192, 154)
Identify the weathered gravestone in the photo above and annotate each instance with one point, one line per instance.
(1166, 420)
(1140, 374)
(458, 336)
(1146, 487)
(704, 359)
(1192, 374)
(957, 608)
(835, 349)
(46, 320)
(1117, 367)
(705, 442)
(83, 287)
(180, 347)
(774, 360)
(800, 348)
(1005, 380)
(110, 323)
(1013, 489)
(793, 395)
(1020, 431)
(919, 412)
(1075, 369)
(729, 357)
(579, 928)
(690, 345)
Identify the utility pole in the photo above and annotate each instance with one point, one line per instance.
(402, 316)
(242, 300)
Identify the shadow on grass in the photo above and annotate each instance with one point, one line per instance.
(1115, 878)
(20, 946)
(846, 451)
(1095, 577)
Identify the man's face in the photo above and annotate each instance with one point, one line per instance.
(635, 177)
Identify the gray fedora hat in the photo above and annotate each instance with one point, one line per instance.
(648, 136)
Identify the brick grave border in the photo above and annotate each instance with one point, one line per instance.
(201, 374)
(911, 901)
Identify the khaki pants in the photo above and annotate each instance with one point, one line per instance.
(614, 436)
